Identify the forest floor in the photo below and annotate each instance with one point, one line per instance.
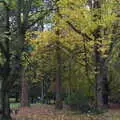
(48, 112)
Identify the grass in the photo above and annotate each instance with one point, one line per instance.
(14, 105)
(17, 105)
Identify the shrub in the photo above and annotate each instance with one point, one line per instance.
(78, 101)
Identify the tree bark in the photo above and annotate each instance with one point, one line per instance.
(101, 79)
(102, 86)
(24, 89)
(70, 77)
(4, 99)
(105, 85)
(100, 72)
(1, 100)
(59, 104)
(6, 105)
(16, 97)
(98, 78)
(42, 91)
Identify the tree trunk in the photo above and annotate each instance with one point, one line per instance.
(105, 85)
(99, 95)
(1, 100)
(42, 91)
(101, 80)
(24, 89)
(6, 105)
(16, 97)
(70, 77)
(100, 72)
(59, 104)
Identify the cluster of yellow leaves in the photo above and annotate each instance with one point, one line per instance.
(82, 17)
(41, 39)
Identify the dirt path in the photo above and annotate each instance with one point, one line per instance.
(47, 112)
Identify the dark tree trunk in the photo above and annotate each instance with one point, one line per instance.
(4, 99)
(24, 89)
(6, 105)
(59, 104)
(42, 91)
(17, 97)
(1, 112)
(105, 85)
(70, 78)
(98, 78)
(100, 71)
(102, 87)
(101, 79)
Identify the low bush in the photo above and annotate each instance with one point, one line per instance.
(78, 101)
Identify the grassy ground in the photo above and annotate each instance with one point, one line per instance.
(14, 105)
(17, 105)
(47, 112)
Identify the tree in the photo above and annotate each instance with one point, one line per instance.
(12, 55)
(90, 30)
(4, 46)
(113, 59)
(22, 27)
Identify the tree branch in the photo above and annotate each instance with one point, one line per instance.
(78, 31)
(75, 29)
(40, 17)
(3, 49)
